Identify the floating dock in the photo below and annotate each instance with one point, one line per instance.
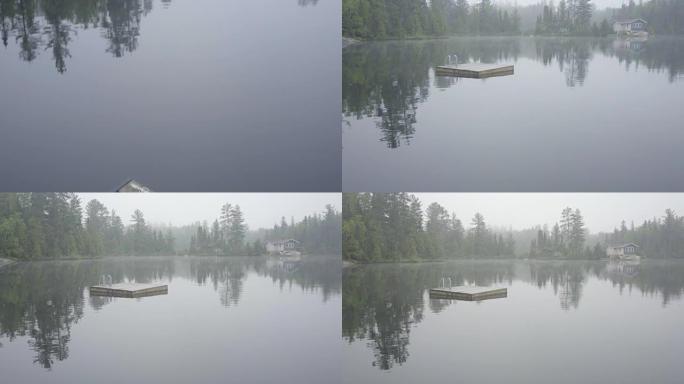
(129, 290)
(468, 293)
(474, 70)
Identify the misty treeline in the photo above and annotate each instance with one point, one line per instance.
(48, 25)
(396, 227)
(570, 17)
(660, 237)
(56, 225)
(665, 17)
(59, 225)
(378, 19)
(574, 17)
(566, 239)
(318, 233)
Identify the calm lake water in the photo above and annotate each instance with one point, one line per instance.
(562, 322)
(241, 320)
(182, 95)
(577, 115)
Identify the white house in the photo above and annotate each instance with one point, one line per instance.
(280, 246)
(623, 251)
(635, 27)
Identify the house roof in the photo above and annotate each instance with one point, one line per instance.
(624, 245)
(630, 21)
(283, 241)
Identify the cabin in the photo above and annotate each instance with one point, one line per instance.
(624, 250)
(133, 186)
(630, 27)
(280, 246)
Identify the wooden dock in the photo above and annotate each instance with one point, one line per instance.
(469, 293)
(129, 290)
(474, 70)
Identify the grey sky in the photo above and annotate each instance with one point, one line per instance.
(600, 4)
(261, 210)
(601, 211)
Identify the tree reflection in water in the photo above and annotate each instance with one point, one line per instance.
(381, 303)
(387, 81)
(42, 301)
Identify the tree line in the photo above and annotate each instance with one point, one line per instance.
(657, 238)
(394, 227)
(665, 17)
(380, 19)
(319, 233)
(228, 235)
(379, 227)
(570, 17)
(566, 240)
(57, 225)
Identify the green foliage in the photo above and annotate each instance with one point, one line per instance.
(318, 233)
(663, 16)
(51, 225)
(390, 227)
(225, 237)
(571, 17)
(381, 19)
(657, 238)
(566, 240)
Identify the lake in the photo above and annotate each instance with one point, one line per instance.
(181, 95)
(242, 320)
(562, 322)
(578, 114)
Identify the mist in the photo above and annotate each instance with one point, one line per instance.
(262, 210)
(602, 211)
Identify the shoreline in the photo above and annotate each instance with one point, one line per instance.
(4, 262)
(354, 263)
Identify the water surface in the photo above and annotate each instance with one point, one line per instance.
(579, 114)
(242, 320)
(562, 322)
(182, 95)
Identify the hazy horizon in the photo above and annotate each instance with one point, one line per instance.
(602, 212)
(261, 210)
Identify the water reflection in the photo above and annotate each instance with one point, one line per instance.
(43, 300)
(381, 303)
(387, 81)
(48, 25)
(41, 25)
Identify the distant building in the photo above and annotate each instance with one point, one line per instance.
(133, 186)
(280, 246)
(623, 251)
(630, 27)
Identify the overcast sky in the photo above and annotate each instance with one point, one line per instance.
(261, 210)
(602, 211)
(598, 3)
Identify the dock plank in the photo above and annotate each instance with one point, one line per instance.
(129, 290)
(475, 70)
(469, 293)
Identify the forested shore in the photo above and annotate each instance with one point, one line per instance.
(394, 227)
(402, 19)
(40, 226)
